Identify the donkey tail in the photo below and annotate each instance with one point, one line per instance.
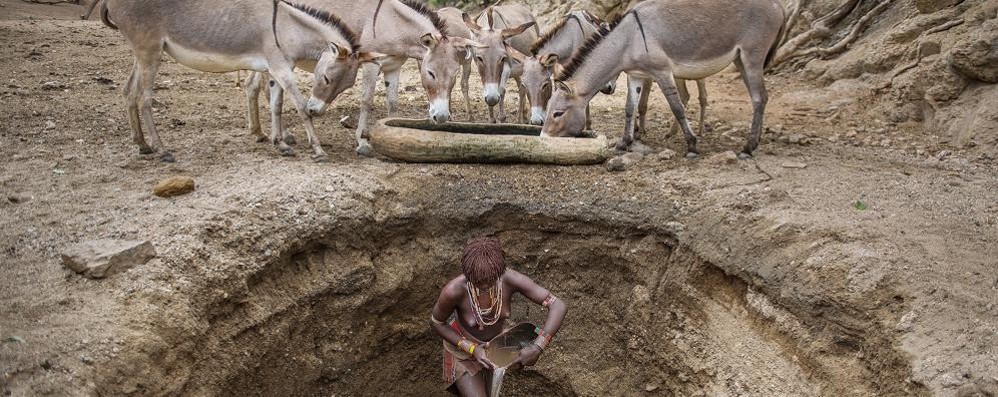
(776, 43)
(105, 18)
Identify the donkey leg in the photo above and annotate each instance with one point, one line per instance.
(145, 85)
(502, 107)
(252, 88)
(522, 108)
(285, 132)
(668, 86)
(684, 94)
(277, 130)
(371, 72)
(589, 118)
(643, 109)
(702, 93)
(752, 73)
(634, 89)
(285, 76)
(465, 90)
(132, 98)
(392, 91)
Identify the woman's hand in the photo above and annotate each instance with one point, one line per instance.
(528, 357)
(479, 356)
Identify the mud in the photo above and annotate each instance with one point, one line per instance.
(283, 277)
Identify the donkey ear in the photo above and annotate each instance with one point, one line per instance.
(514, 53)
(549, 60)
(370, 57)
(507, 33)
(339, 51)
(428, 41)
(565, 86)
(463, 42)
(471, 23)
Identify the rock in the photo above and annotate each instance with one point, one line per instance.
(795, 165)
(638, 147)
(728, 157)
(348, 123)
(175, 186)
(624, 163)
(943, 154)
(49, 125)
(950, 380)
(103, 258)
(930, 6)
(977, 56)
(667, 154)
(907, 322)
(651, 387)
(797, 139)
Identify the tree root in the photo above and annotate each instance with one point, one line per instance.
(918, 46)
(853, 35)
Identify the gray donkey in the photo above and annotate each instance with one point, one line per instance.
(454, 19)
(230, 36)
(550, 52)
(667, 40)
(495, 28)
(400, 29)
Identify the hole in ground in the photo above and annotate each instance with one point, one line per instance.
(348, 315)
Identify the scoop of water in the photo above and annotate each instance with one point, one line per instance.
(504, 349)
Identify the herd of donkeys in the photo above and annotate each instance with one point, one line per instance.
(665, 42)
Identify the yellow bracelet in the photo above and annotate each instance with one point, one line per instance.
(471, 351)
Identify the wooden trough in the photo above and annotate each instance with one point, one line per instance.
(422, 141)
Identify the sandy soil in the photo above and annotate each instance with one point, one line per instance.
(912, 281)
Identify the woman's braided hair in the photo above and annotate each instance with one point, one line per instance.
(483, 261)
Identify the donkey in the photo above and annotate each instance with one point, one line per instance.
(454, 20)
(230, 36)
(551, 51)
(670, 39)
(493, 28)
(401, 29)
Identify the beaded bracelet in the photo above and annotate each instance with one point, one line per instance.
(543, 338)
(549, 300)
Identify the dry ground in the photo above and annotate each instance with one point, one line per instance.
(923, 252)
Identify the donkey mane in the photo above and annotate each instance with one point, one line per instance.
(428, 13)
(543, 41)
(591, 43)
(332, 21)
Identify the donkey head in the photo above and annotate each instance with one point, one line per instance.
(494, 64)
(536, 79)
(335, 71)
(439, 68)
(566, 115)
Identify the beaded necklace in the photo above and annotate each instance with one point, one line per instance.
(490, 316)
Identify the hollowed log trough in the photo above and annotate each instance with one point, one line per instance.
(421, 141)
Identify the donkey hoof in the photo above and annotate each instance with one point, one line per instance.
(167, 157)
(286, 151)
(290, 139)
(364, 149)
(745, 156)
(262, 138)
(146, 150)
(320, 158)
(692, 155)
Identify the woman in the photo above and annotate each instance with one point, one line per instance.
(481, 297)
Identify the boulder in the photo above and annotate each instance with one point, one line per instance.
(977, 56)
(175, 186)
(625, 162)
(103, 258)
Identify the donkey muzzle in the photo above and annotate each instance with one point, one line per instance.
(315, 107)
(439, 112)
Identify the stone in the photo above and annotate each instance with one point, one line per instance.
(907, 322)
(665, 155)
(797, 139)
(638, 147)
(931, 6)
(728, 157)
(624, 163)
(102, 258)
(175, 186)
(977, 56)
(793, 164)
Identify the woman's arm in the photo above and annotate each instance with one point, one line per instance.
(556, 314)
(446, 304)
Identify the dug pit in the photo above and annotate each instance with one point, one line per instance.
(347, 314)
